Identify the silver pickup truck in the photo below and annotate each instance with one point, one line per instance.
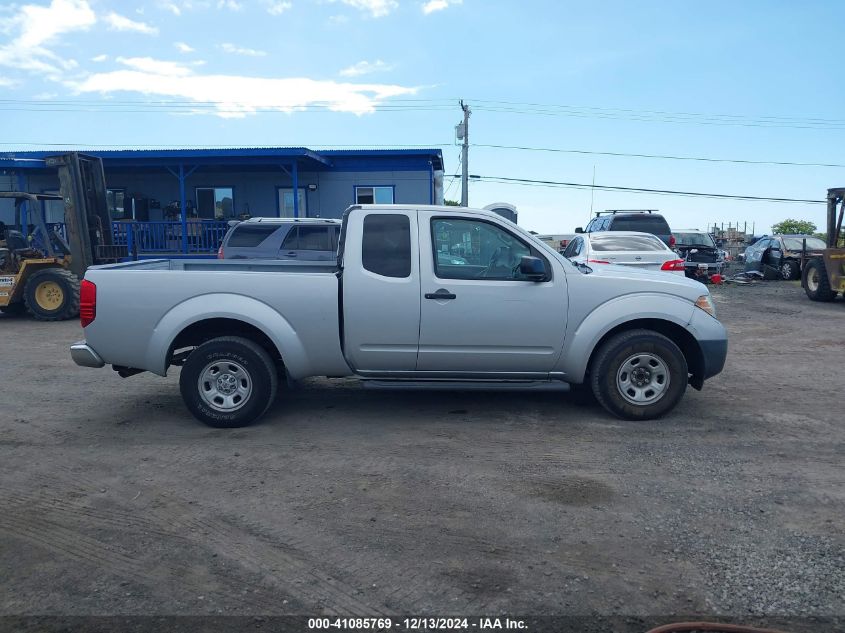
(419, 297)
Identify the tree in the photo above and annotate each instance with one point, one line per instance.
(794, 227)
(451, 203)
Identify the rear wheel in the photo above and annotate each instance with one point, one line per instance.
(639, 375)
(228, 382)
(52, 294)
(816, 282)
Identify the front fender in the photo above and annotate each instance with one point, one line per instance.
(225, 306)
(583, 336)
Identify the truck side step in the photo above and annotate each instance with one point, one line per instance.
(468, 385)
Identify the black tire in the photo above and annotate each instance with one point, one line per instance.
(52, 294)
(607, 366)
(790, 270)
(252, 360)
(815, 281)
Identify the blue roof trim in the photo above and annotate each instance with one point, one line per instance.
(227, 156)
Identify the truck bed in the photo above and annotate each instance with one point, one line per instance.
(142, 306)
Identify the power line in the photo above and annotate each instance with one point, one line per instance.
(659, 156)
(642, 190)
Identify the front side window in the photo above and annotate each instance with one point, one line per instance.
(215, 203)
(373, 195)
(573, 248)
(386, 246)
(485, 250)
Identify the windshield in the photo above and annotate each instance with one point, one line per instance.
(610, 242)
(694, 239)
(796, 243)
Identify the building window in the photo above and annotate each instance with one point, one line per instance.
(117, 206)
(374, 195)
(215, 203)
(286, 202)
(386, 247)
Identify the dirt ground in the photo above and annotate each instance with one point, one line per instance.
(114, 500)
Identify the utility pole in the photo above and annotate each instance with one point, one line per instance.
(463, 133)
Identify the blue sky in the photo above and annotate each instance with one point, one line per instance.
(758, 81)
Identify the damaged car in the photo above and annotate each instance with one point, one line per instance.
(782, 255)
(702, 258)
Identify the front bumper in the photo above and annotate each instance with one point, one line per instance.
(712, 339)
(85, 356)
(714, 354)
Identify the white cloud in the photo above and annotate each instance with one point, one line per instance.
(183, 48)
(100, 58)
(232, 5)
(338, 19)
(366, 68)
(236, 96)
(172, 7)
(36, 27)
(119, 22)
(5, 82)
(438, 5)
(155, 66)
(277, 7)
(376, 8)
(237, 50)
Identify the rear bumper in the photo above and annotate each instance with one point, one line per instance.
(85, 356)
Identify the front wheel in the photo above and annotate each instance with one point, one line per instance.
(639, 375)
(228, 382)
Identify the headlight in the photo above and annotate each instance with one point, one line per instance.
(705, 302)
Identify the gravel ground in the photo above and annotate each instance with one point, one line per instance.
(344, 501)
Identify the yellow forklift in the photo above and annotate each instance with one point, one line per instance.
(40, 269)
(824, 277)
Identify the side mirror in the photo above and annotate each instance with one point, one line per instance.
(580, 229)
(532, 268)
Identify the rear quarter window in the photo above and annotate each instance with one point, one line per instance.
(247, 235)
(386, 247)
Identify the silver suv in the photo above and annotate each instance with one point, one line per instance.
(303, 239)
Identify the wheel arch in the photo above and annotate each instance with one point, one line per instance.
(666, 314)
(678, 334)
(202, 318)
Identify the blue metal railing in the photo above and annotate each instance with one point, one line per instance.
(201, 236)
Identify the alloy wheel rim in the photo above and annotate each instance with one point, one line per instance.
(225, 385)
(642, 379)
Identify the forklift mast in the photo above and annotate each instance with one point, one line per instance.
(82, 186)
(834, 225)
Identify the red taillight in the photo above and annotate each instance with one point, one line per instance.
(673, 264)
(672, 241)
(87, 303)
(220, 252)
(597, 261)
